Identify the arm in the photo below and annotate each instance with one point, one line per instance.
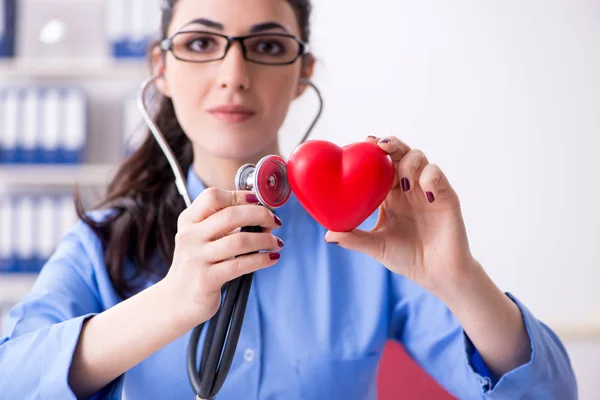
(60, 345)
(110, 344)
(434, 337)
(41, 332)
(491, 320)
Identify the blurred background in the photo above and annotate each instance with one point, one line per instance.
(504, 95)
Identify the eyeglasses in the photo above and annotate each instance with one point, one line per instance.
(267, 48)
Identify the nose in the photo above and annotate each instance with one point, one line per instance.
(233, 73)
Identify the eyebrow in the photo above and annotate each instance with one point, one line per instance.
(265, 26)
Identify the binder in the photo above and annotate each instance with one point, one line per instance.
(8, 9)
(46, 220)
(28, 143)
(50, 125)
(74, 127)
(7, 255)
(25, 239)
(9, 125)
(117, 27)
(132, 24)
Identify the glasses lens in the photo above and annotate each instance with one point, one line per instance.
(272, 49)
(198, 46)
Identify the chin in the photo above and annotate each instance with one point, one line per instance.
(236, 147)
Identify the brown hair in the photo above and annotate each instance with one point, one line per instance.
(143, 195)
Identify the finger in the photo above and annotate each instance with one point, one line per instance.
(229, 270)
(372, 139)
(410, 168)
(366, 242)
(434, 182)
(395, 147)
(240, 243)
(213, 200)
(226, 220)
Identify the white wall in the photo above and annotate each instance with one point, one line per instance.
(505, 97)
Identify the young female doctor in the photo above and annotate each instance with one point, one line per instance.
(111, 311)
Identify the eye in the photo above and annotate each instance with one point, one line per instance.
(201, 44)
(271, 47)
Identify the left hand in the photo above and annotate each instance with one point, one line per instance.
(420, 232)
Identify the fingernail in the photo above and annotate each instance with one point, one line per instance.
(274, 256)
(405, 185)
(277, 220)
(384, 141)
(330, 242)
(280, 242)
(430, 197)
(373, 137)
(251, 198)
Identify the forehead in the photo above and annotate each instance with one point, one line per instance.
(237, 16)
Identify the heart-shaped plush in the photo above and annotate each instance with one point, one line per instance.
(340, 187)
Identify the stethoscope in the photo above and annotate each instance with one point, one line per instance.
(268, 180)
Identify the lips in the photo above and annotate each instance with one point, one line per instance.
(232, 113)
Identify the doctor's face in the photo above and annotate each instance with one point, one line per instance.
(232, 107)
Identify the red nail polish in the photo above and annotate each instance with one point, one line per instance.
(251, 198)
(384, 141)
(274, 256)
(405, 185)
(278, 221)
(430, 197)
(280, 243)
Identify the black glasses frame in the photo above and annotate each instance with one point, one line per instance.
(304, 48)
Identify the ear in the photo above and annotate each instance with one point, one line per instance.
(158, 68)
(306, 73)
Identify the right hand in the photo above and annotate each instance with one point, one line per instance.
(208, 238)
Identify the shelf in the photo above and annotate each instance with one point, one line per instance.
(56, 175)
(65, 69)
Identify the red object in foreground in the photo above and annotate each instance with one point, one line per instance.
(340, 186)
(401, 378)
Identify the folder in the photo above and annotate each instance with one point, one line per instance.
(73, 127)
(117, 26)
(132, 24)
(28, 141)
(9, 125)
(7, 255)
(23, 229)
(50, 125)
(46, 221)
(8, 9)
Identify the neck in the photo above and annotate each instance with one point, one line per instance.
(215, 171)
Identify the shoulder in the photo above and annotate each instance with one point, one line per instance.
(81, 238)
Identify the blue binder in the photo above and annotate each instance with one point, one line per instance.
(74, 126)
(9, 125)
(132, 26)
(24, 228)
(8, 17)
(8, 260)
(51, 125)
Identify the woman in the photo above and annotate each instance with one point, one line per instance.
(128, 283)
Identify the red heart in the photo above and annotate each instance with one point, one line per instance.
(340, 187)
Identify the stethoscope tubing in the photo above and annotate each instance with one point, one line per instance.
(225, 327)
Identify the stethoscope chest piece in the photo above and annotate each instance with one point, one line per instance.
(267, 179)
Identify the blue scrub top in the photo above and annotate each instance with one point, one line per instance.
(315, 327)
